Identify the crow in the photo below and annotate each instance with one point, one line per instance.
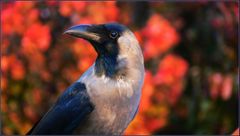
(105, 99)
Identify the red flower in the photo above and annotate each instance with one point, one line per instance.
(170, 75)
(172, 68)
(17, 69)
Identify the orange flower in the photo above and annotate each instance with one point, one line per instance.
(23, 16)
(17, 69)
(14, 118)
(147, 92)
(32, 17)
(150, 49)
(174, 92)
(65, 8)
(109, 12)
(85, 20)
(4, 106)
(79, 6)
(170, 75)
(112, 11)
(28, 111)
(154, 124)
(139, 37)
(24, 6)
(82, 48)
(33, 54)
(37, 35)
(4, 83)
(4, 45)
(236, 132)
(11, 24)
(71, 73)
(172, 68)
(156, 117)
(84, 63)
(4, 64)
(136, 127)
(36, 93)
(160, 36)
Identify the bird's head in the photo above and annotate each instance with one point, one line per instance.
(115, 44)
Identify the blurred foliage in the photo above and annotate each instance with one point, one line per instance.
(190, 52)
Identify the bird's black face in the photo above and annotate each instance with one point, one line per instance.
(103, 37)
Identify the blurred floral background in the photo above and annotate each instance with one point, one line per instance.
(190, 52)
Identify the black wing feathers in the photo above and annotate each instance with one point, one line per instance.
(68, 112)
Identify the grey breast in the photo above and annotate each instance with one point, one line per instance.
(115, 101)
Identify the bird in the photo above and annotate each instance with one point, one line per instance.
(105, 98)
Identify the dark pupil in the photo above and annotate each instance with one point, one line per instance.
(114, 34)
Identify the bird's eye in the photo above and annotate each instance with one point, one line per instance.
(113, 35)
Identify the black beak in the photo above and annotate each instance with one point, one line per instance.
(83, 31)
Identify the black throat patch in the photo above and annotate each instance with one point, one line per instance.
(108, 51)
(106, 65)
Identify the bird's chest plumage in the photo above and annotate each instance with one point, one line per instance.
(115, 102)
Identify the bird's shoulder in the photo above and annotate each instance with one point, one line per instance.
(77, 89)
(70, 110)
